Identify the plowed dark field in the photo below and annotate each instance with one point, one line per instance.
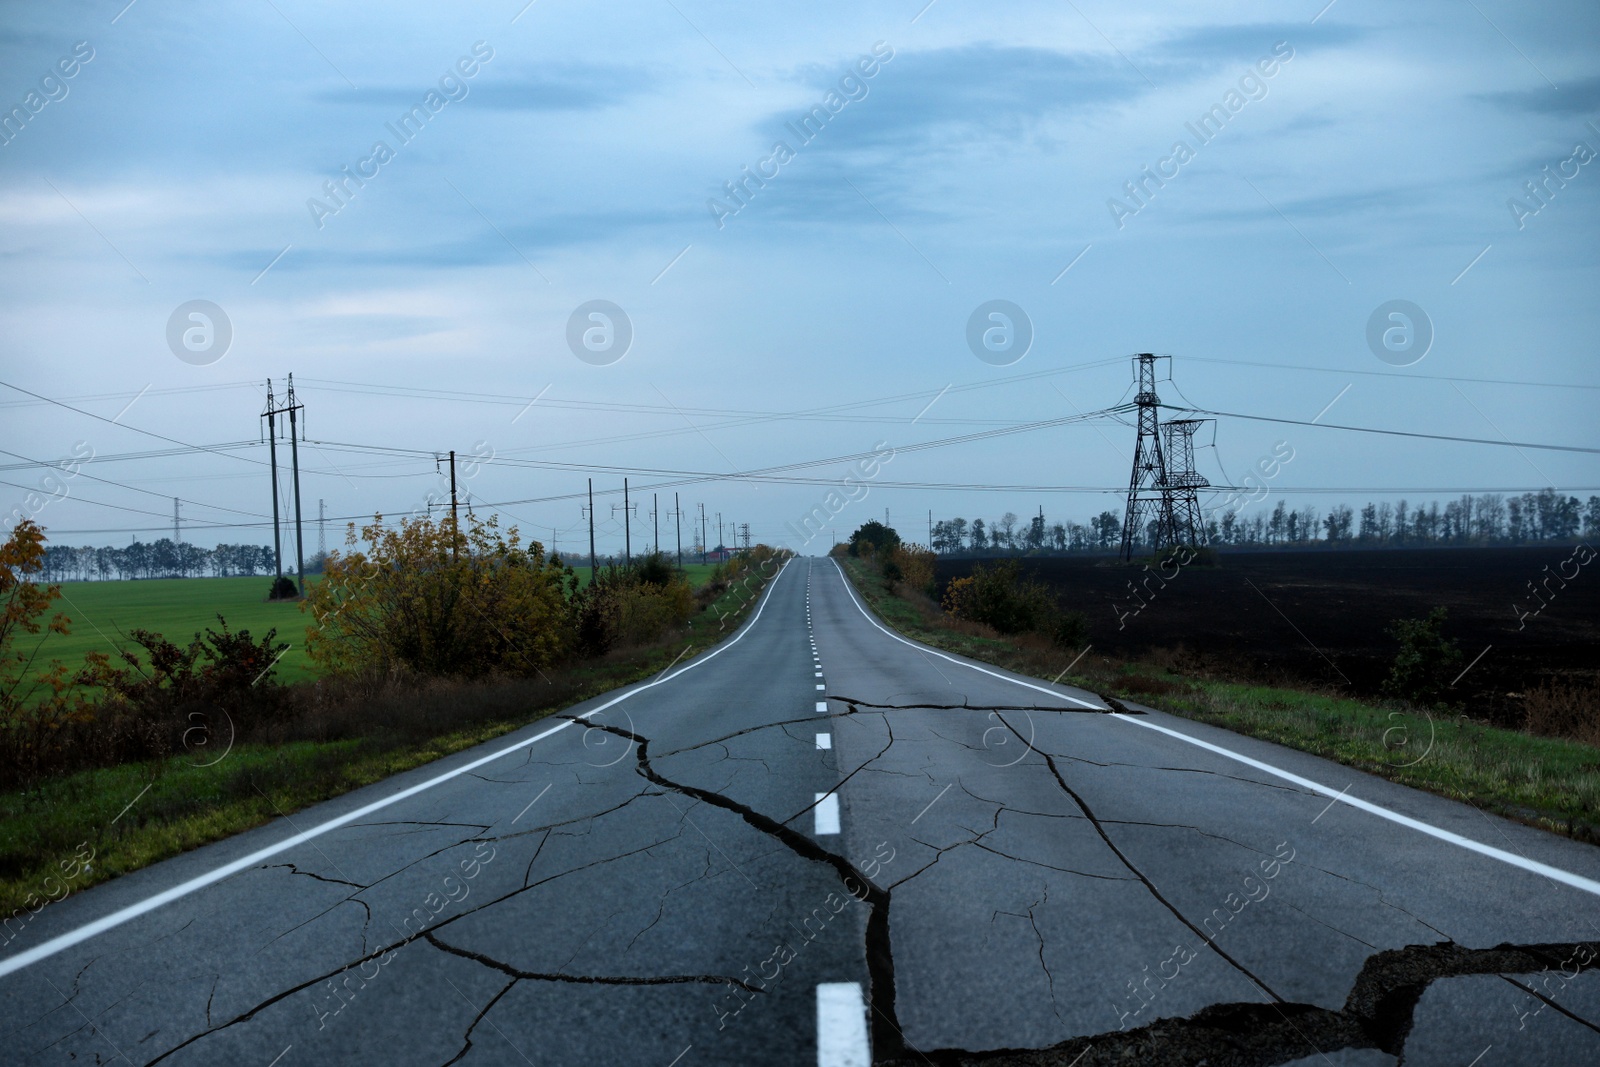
(1319, 616)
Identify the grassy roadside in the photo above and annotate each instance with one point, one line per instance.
(102, 614)
(1546, 782)
(140, 813)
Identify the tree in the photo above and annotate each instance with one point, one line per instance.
(1003, 533)
(871, 538)
(1035, 534)
(980, 535)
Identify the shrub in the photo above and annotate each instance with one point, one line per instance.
(428, 597)
(37, 707)
(621, 608)
(998, 596)
(913, 564)
(157, 709)
(1564, 710)
(283, 588)
(1426, 663)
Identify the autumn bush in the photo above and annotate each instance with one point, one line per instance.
(998, 595)
(38, 706)
(627, 606)
(913, 565)
(432, 598)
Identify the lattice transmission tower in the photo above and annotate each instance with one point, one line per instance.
(1163, 490)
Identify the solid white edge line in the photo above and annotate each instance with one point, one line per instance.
(183, 889)
(842, 1026)
(1555, 874)
(952, 659)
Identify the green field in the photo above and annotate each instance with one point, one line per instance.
(103, 613)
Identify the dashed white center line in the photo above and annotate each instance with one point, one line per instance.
(827, 814)
(842, 1026)
(822, 705)
(817, 675)
(821, 686)
(824, 740)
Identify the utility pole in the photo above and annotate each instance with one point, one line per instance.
(294, 460)
(322, 528)
(702, 535)
(455, 521)
(886, 516)
(627, 514)
(930, 528)
(719, 536)
(271, 415)
(677, 520)
(589, 511)
(655, 522)
(177, 537)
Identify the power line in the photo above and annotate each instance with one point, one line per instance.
(1389, 374)
(120, 485)
(173, 391)
(126, 426)
(1390, 433)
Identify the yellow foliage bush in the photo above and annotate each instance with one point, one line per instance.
(436, 599)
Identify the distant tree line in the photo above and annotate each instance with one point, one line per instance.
(165, 558)
(1490, 519)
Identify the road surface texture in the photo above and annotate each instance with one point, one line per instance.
(818, 844)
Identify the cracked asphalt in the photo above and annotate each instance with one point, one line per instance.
(820, 836)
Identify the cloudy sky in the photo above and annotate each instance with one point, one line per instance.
(513, 164)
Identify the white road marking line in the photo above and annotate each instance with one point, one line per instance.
(110, 922)
(822, 705)
(817, 675)
(1556, 874)
(280, 1056)
(824, 740)
(822, 687)
(826, 813)
(842, 1026)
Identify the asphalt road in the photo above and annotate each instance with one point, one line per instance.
(819, 837)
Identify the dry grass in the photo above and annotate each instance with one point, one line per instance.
(1564, 710)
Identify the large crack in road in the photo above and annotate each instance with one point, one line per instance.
(1377, 1014)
